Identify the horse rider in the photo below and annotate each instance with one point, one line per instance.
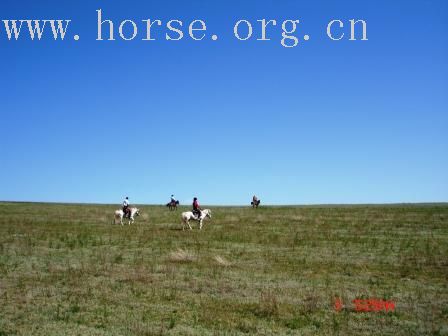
(173, 200)
(196, 208)
(255, 202)
(126, 210)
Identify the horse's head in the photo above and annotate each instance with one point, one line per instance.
(137, 212)
(208, 213)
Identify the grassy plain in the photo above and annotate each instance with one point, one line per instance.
(66, 270)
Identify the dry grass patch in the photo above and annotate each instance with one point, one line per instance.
(222, 261)
(181, 255)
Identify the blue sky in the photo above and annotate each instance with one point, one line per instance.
(325, 122)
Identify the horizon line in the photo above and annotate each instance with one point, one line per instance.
(239, 205)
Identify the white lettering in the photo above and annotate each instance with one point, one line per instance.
(237, 35)
(191, 29)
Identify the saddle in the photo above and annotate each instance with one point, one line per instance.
(127, 213)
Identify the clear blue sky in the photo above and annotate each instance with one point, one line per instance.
(325, 122)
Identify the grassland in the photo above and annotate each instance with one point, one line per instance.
(66, 270)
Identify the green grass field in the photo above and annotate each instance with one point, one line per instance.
(66, 270)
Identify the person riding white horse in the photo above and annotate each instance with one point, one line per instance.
(126, 210)
(119, 214)
(188, 215)
(196, 208)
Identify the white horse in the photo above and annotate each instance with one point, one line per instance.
(119, 214)
(187, 216)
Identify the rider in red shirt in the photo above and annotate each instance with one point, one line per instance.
(196, 207)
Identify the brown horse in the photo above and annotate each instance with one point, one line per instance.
(172, 205)
(255, 204)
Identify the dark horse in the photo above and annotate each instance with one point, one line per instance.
(172, 205)
(255, 204)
